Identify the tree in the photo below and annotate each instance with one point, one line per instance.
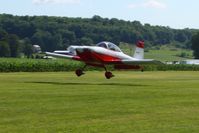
(27, 47)
(4, 49)
(86, 41)
(28, 50)
(195, 45)
(180, 37)
(14, 45)
(37, 39)
(97, 18)
(3, 34)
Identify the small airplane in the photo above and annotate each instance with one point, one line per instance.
(103, 54)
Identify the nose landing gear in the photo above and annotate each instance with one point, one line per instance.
(107, 74)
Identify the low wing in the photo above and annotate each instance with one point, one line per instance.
(87, 55)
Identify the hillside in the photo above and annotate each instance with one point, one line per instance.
(168, 55)
(59, 32)
(161, 53)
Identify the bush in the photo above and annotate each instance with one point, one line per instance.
(37, 65)
(42, 65)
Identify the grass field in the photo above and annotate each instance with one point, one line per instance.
(167, 55)
(131, 102)
(164, 53)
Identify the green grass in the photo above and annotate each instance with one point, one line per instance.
(164, 53)
(167, 55)
(131, 102)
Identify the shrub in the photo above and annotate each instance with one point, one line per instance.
(42, 65)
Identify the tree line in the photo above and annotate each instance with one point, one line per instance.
(19, 33)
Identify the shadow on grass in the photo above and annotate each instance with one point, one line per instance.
(72, 83)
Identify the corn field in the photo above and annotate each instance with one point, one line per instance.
(43, 65)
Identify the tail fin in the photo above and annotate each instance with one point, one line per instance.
(139, 50)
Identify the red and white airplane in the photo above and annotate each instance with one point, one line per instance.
(103, 54)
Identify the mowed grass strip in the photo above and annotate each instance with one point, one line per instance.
(149, 102)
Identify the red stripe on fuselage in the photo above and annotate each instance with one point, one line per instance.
(99, 60)
(90, 56)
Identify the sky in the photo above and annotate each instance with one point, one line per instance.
(176, 14)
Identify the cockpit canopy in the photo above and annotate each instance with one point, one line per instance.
(109, 45)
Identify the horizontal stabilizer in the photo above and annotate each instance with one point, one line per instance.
(62, 52)
(143, 62)
(59, 55)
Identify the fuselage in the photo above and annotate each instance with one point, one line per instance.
(88, 52)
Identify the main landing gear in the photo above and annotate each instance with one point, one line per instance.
(107, 74)
(79, 72)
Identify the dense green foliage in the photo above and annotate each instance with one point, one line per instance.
(195, 45)
(59, 32)
(37, 65)
(41, 65)
(131, 102)
(11, 46)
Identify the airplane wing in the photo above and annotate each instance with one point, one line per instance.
(63, 56)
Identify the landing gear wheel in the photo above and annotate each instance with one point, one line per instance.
(79, 72)
(108, 75)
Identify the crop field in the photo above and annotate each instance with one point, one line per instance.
(131, 102)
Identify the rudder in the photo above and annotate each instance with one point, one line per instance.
(139, 50)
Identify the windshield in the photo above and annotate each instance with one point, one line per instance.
(109, 45)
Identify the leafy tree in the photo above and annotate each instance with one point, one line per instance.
(181, 37)
(38, 39)
(97, 18)
(26, 47)
(195, 45)
(14, 45)
(86, 41)
(3, 34)
(28, 50)
(4, 49)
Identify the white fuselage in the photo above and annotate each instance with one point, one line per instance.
(100, 50)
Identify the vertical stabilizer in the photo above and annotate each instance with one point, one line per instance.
(139, 50)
